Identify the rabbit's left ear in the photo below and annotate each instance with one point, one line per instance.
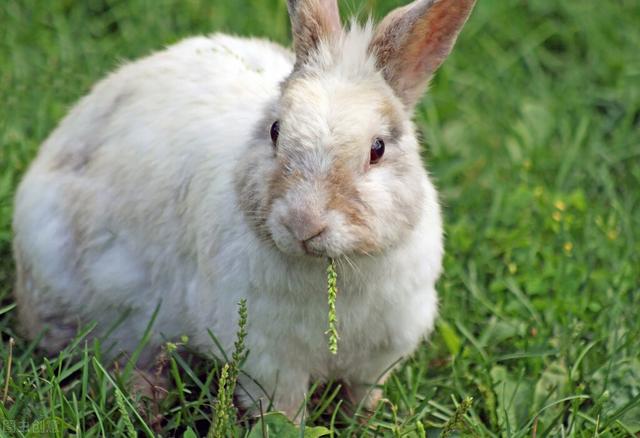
(311, 22)
(413, 41)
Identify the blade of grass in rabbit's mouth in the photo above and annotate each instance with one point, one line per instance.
(332, 289)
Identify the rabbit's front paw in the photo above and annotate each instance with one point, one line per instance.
(284, 391)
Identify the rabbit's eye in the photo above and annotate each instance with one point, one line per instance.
(275, 132)
(377, 150)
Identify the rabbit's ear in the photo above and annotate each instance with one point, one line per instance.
(311, 22)
(412, 42)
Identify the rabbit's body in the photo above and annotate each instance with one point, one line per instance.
(146, 195)
(104, 218)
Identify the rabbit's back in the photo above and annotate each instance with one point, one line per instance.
(198, 83)
(105, 214)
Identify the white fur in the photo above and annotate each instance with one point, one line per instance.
(149, 213)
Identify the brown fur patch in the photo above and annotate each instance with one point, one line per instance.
(345, 198)
(281, 182)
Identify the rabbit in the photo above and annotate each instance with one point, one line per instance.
(225, 168)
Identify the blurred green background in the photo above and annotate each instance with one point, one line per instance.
(532, 133)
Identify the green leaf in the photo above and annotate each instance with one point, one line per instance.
(189, 433)
(277, 425)
(550, 387)
(316, 432)
(514, 397)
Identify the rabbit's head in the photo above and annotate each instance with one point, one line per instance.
(335, 167)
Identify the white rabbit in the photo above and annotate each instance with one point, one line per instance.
(225, 168)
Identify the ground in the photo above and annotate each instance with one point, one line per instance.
(532, 132)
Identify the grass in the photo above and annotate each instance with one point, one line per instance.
(532, 132)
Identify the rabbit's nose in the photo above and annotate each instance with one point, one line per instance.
(304, 226)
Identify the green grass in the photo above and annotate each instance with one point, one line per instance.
(532, 132)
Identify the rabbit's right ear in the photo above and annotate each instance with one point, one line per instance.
(311, 22)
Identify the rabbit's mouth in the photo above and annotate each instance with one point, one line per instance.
(315, 246)
(310, 250)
